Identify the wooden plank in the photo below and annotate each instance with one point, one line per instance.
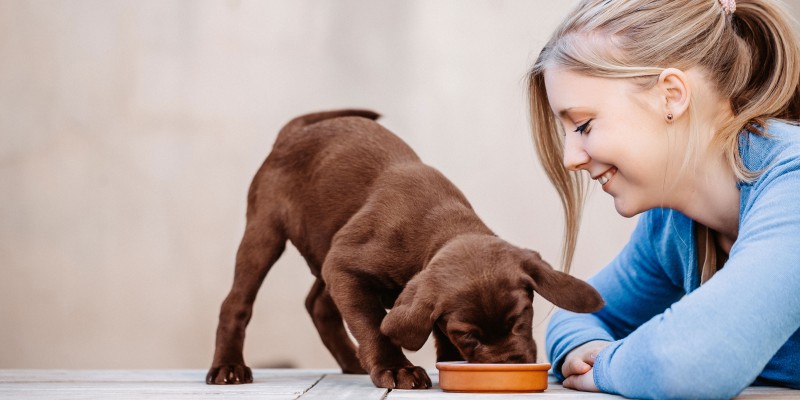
(768, 392)
(182, 384)
(339, 386)
(132, 390)
(554, 390)
(437, 394)
(270, 384)
(148, 375)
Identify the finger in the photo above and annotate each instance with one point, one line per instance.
(594, 353)
(594, 350)
(583, 382)
(575, 366)
(590, 356)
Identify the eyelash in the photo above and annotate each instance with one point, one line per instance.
(582, 128)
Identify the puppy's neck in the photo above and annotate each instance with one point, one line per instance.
(449, 221)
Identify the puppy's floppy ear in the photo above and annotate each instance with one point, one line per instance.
(411, 319)
(561, 289)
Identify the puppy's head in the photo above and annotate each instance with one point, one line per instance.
(479, 291)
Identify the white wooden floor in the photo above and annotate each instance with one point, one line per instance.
(270, 384)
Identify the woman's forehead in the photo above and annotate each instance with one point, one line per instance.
(569, 91)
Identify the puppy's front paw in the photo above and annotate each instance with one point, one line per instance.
(229, 375)
(401, 378)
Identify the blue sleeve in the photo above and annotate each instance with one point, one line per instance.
(634, 286)
(714, 342)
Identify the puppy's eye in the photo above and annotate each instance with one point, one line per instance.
(520, 328)
(518, 324)
(469, 339)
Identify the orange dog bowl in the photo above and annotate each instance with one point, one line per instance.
(464, 377)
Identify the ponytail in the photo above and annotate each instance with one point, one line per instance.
(769, 59)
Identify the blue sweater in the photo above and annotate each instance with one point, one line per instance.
(671, 337)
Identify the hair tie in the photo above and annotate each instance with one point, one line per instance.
(728, 5)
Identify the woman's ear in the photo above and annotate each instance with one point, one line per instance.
(674, 87)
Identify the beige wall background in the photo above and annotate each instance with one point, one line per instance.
(130, 130)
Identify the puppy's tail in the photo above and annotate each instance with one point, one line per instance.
(309, 119)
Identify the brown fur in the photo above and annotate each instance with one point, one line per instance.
(379, 229)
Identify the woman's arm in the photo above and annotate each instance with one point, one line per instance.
(634, 285)
(717, 340)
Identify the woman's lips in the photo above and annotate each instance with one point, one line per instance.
(603, 179)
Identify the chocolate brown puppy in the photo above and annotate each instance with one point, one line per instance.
(381, 230)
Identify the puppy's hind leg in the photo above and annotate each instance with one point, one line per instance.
(262, 245)
(331, 329)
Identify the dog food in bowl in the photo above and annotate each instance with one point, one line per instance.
(460, 376)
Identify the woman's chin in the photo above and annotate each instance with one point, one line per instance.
(624, 209)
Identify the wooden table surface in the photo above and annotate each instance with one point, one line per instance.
(270, 384)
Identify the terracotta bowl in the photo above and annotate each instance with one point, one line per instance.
(464, 377)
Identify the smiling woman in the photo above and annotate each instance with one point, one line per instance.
(685, 112)
(625, 145)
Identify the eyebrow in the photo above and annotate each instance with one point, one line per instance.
(565, 112)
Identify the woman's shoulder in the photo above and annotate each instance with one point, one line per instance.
(778, 143)
(775, 158)
(783, 135)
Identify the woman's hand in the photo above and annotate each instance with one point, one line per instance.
(578, 367)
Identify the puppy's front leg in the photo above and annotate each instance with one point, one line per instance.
(328, 320)
(359, 302)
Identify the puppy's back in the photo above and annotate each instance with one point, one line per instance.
(321, 169)
(344, 148)
(310, 119)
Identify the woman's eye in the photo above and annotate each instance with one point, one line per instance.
(583, 128)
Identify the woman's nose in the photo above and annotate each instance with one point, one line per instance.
(575, 156)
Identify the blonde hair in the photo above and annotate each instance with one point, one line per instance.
(752, 57)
